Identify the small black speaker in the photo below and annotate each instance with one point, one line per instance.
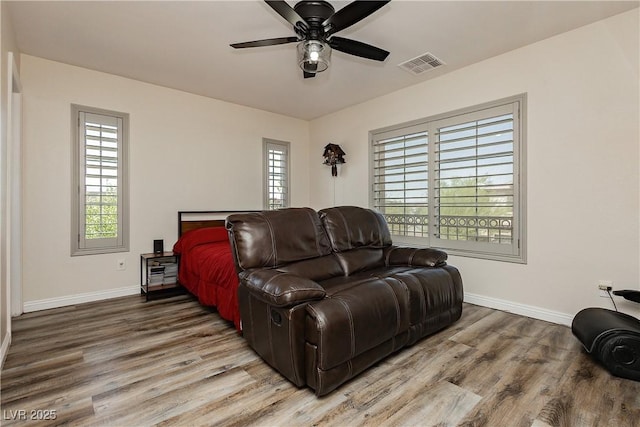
(158, 246)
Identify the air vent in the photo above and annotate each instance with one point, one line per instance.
(422, 63)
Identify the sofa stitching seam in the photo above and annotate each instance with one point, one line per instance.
(413, 253)
(273, 242)
(346, 228)
(351, 328)
(395, 298)
(317, 240)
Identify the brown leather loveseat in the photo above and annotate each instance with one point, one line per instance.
(324, 295)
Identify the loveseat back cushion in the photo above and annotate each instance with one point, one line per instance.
(357, 235)
(275, 238)
(360, 259)
(351, 227)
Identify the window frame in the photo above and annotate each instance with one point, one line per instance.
(269, 144)
(80, 245)
(516, 251)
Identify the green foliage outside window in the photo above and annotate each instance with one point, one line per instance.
(101, 216)
(475, 209)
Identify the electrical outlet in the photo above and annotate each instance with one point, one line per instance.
(121, 265)
(604, 286)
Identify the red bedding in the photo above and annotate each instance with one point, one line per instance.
(207, 270)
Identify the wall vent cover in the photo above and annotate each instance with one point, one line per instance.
(422, 63)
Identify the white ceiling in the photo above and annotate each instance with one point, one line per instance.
(185, 45)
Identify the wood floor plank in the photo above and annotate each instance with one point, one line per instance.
(172, 362)
(232, 408)
(442, 402)
(168, 402)
(516, 398)
(612, 401)
(281, 413)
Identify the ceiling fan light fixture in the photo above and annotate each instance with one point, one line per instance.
(314, 56)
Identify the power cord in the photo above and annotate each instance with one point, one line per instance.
(611, 297)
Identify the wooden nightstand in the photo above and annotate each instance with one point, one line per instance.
(159, 275)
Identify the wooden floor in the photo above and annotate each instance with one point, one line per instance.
(171, 362)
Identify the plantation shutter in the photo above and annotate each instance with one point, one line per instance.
(100, 184)
(455, 181)
(400, 180)
(277, 176)
(475, 181)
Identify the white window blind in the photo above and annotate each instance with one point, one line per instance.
(400, 184)
(474, 181)
(100, 223)
(276, 174)
(454, 181)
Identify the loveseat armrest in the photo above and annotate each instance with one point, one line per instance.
(418, 257)
(281, 289)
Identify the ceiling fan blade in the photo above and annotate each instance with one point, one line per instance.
(288, 13)
(357, 48)
(265, 42)
(350, 14)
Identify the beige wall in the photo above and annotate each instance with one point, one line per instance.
(186, 153)
(582, 160)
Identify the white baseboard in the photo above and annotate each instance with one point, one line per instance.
(6, 341)
(498, 304)
(521, 309)
(48, 303)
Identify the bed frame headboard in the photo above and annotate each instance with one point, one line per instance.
(191, 220)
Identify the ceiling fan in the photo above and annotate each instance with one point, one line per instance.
(314, 23)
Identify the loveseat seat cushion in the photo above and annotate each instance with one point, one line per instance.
(273, 238)
(434, 294)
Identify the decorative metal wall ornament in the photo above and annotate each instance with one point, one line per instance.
(333, 155)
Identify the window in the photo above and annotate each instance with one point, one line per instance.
(100, 192)
(455, 181)
(276, 154)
